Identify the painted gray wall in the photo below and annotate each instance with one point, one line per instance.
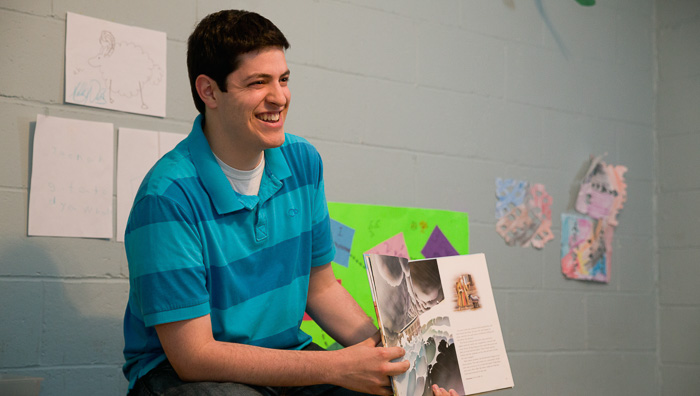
(678, 133)
(411, 103)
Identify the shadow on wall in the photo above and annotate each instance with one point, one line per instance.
(67, 330)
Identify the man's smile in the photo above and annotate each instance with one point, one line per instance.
(269, 117)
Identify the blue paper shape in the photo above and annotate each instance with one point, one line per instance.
(342, 238)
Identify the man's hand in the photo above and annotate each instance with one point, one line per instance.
(437, 391)
(366, 368)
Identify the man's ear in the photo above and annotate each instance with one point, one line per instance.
(208, 90)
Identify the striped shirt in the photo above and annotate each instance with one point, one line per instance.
(196, 247)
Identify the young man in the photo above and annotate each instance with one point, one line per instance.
(229, 242)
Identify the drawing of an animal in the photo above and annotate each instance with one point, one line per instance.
(125, 67)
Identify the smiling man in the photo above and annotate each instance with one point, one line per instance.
(229, 243)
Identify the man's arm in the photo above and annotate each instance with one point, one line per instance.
(334, 309)
(196, 356)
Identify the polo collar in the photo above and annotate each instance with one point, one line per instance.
(217, 186)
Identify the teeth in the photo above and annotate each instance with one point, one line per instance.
(273, 117)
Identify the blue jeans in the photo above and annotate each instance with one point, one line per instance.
(164, 381)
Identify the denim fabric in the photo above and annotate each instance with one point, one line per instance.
(164, 381)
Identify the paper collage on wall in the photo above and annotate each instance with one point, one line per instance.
(405, 232)
(523, 213)
(586, 240)
(114, 66)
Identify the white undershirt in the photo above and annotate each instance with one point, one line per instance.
(243, 182)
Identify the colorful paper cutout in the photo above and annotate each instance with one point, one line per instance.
(394, 246)
(603, 191)
(527, 221)
(374, 225)
(586, 248)
(342, 237)
(509, 193)
(438, 245)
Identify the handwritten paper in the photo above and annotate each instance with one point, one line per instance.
(71, 182)
(114, 66)
(342, 237)
(138, 151)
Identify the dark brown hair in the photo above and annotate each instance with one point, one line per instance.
(215, 45)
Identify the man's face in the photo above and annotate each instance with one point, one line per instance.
(255, 105)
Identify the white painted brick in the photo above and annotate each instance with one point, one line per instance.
(445, 12)
(522, 22)
(634, 38)
(103, 380)
(679, 51)
(635, 145)
(292, 18)
(16, 121)
(633, 266)
(584, 32)
(679, 273)
(607, 330)
(675, 12)
(677, 106)
(80, 330)
(179, 102)
(634, 217)
(510, 133)
(427, 120)
(364, 41)
(680, 162)
(21, 313)
(174, 17)
(28, 44)
(680, 379)
(614, 373)
(38, 7)
(458, 184)
(457, 60)
(546, 321)
(361, 174)
(638, 7)
(570, 140)
(675, 227)
(320, 105)
(525, 366)
(680, 327)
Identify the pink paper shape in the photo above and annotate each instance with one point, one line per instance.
(394, 246)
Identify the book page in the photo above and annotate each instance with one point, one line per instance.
(474, 320)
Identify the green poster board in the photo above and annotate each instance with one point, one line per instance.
(373, 225)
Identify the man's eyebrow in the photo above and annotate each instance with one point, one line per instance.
(266, 76)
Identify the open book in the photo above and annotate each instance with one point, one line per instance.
(442, 312)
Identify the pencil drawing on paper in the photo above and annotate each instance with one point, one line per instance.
(125, 68)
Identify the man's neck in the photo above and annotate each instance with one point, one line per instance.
(232, 154)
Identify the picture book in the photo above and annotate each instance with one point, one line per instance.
(443, 313)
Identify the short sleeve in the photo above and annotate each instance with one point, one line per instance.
(167, 272)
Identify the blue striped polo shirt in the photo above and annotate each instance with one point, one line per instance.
(196, 247)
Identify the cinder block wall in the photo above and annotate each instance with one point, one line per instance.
(677, 127)
(411, 103)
